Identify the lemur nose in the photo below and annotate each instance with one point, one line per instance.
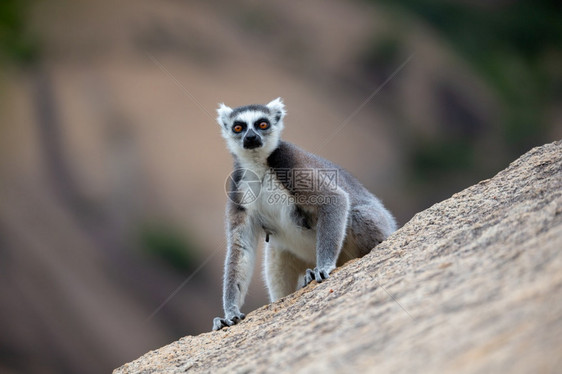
(252, 140)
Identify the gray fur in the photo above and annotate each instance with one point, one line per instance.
(311, 231)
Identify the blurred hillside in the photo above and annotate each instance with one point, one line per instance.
(112, 168)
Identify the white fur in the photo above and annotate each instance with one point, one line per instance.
(277, 105)
(273, 209)
(253, 159)
(223, 113)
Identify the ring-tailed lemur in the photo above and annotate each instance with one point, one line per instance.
(313, 214)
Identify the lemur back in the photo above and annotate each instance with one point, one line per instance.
(312, 214)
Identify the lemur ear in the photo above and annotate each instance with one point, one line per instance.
(223, 113)
(278, 108)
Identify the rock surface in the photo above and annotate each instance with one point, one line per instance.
(472, 284)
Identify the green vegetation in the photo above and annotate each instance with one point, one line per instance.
(169, 245)
(16, 42)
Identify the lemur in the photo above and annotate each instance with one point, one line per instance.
(313, 214)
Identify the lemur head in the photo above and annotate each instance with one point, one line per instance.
(252, 131)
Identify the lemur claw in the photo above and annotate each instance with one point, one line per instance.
(316, 274)
(219, 323)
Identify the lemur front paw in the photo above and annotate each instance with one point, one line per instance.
(316, 274)
(219, 323)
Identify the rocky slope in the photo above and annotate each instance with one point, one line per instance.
(471, 284)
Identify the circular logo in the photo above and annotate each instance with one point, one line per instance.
(243, 186)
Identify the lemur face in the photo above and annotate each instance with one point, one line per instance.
(252, 129)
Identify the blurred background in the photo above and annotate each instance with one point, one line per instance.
(112, 168)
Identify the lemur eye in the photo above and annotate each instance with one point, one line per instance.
(238, 128)
(263, 125)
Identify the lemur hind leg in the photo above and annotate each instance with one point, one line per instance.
(281, 271)
(368, 228)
